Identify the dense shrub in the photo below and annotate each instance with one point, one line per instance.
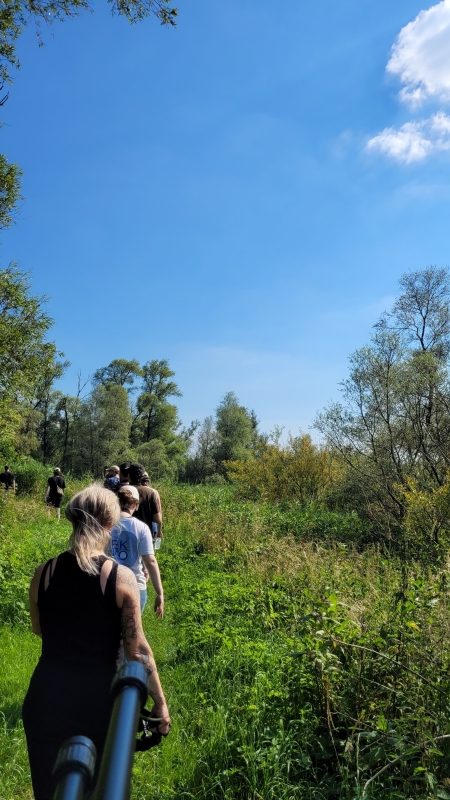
(31, 476)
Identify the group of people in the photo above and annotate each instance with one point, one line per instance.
(86, 604)
(134, 540)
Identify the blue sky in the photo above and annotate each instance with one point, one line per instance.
(239, 195)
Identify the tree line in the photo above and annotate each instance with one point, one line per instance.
(384, 451)
(125, 410)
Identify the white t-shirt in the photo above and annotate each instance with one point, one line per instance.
(131, 539)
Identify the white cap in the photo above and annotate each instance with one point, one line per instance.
(131, 489)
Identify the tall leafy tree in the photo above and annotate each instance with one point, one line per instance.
(45, 404)
(26, 357)
(120, 371)
(156, 417)
(101, 430)
(394, 421)
(235, 431)
(10, 184)
(202, 463)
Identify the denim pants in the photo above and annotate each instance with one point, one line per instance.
(143, 595)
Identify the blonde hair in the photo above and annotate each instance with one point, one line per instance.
(92, 512)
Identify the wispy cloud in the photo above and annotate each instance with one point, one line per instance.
(421, 59)
(421, 56)
(414, 140)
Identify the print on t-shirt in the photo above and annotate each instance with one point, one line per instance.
(124, 548)
(130, 540)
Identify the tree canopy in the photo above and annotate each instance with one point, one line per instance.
(25, 355)
(393, 424)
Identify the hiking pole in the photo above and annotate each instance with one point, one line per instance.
(74, 768)
(130, 692)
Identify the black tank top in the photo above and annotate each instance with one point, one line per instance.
(80, 624)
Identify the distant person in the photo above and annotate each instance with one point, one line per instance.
(149, 510)
(131, 543)
(8, 479)
(80, 604)
(55, 491)
(156, 531)
(124, 473)
(112, 480)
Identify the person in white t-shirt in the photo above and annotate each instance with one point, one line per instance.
(132, 546)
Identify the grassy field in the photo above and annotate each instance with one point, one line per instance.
(298, 659)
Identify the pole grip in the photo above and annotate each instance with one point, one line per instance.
(74, 768)
(130, 692)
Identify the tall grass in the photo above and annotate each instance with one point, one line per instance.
(299, 660)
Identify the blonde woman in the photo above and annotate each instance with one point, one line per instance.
(81, 604)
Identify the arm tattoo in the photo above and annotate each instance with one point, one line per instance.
(149, 664)
(132, 633)
(129, 627)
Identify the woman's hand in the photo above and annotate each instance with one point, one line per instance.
(161, 712)
(158, 606)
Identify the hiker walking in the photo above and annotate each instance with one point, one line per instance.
(8, 480)
(149, 509)
(54, 492)
(81, 604)
(112, 480)
(132, 546)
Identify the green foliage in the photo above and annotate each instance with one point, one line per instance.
(120, 371)
(87, 432)
(235, 428)
(297, 470)
(31, 476)
(394, 424)
(25, 356)
(17, 14)
(101, 430)
(231, 436)
(10, 182)
(155, 417)
(293, 669)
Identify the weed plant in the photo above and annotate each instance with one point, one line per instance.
(299, 659)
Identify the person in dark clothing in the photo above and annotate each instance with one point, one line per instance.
(149, 509)
(81, 602)
(8, 479)
(124, 473)
(54, 492)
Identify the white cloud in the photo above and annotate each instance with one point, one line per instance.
(421, 56)
(415, 140)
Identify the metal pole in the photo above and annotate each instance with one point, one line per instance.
(71, 787)
(74, 768)
(130, 690)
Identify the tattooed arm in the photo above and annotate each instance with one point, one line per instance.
(135, 644)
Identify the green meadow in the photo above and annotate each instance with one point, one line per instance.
(299, 659)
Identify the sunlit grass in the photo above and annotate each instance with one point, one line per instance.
(294, 667)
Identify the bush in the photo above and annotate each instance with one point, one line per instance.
(297, 471)
(31, 476)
